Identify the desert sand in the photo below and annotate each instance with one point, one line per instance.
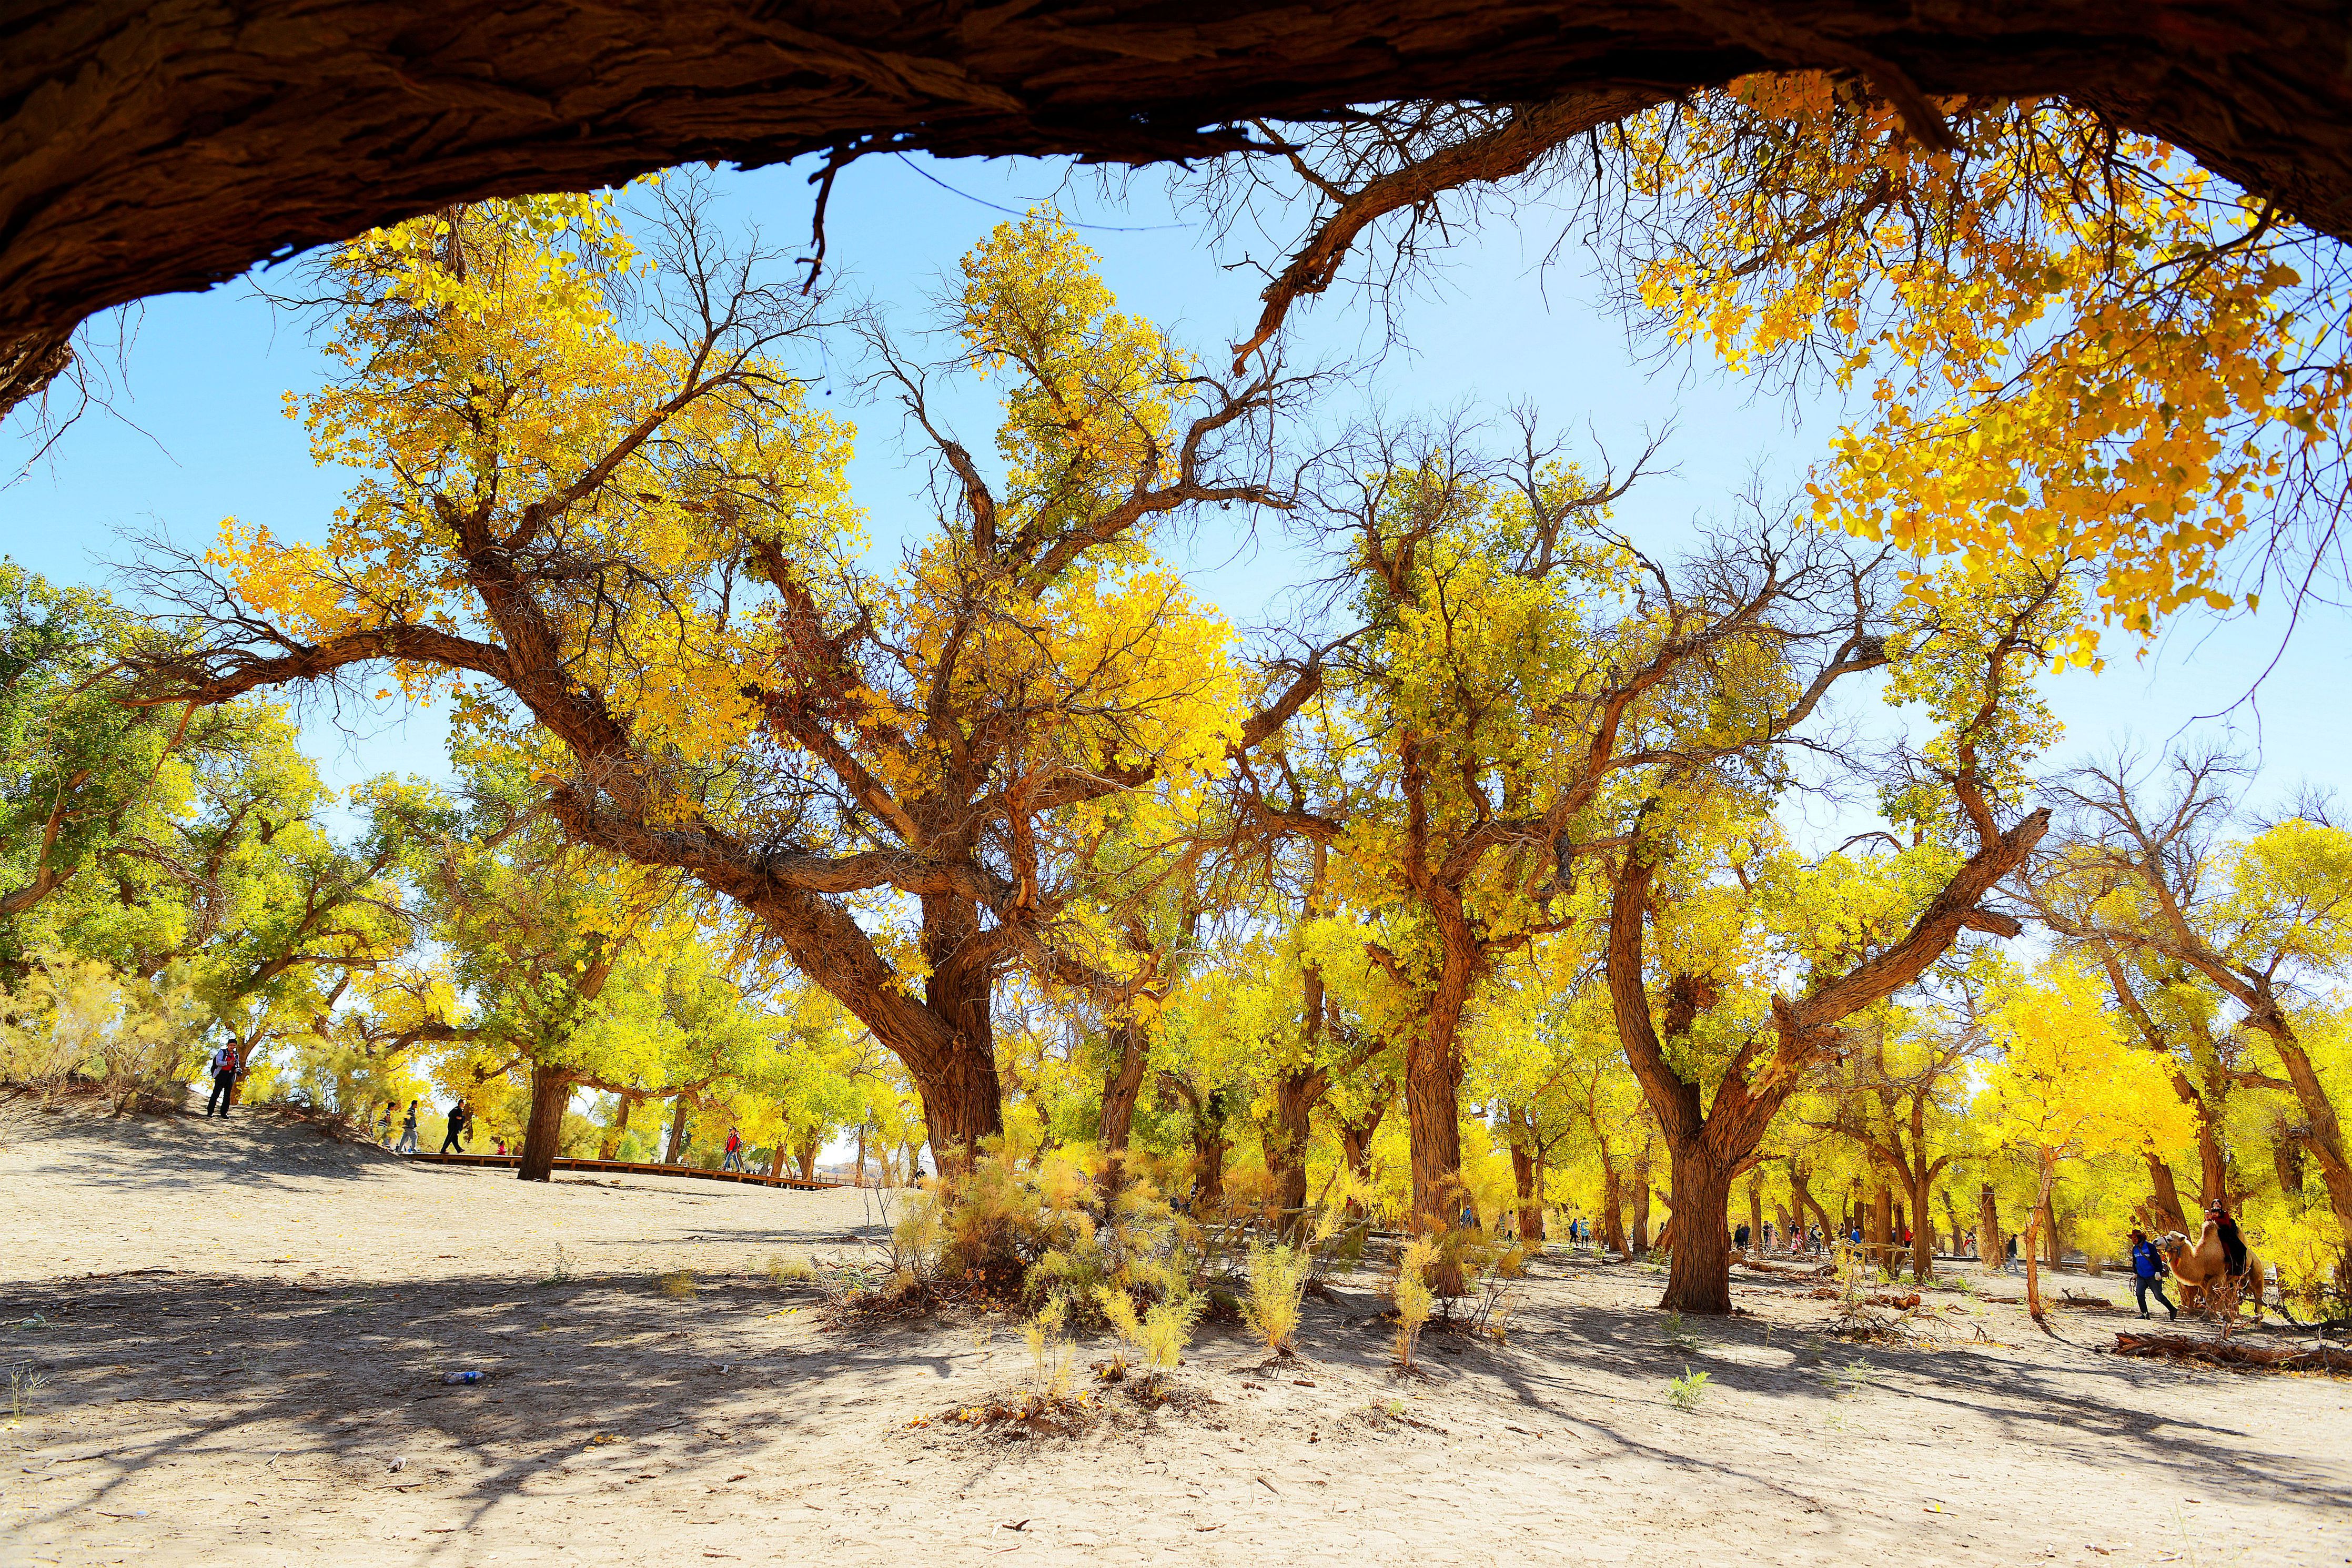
(226, 1342)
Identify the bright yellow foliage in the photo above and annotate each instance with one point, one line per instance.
(2067, 344)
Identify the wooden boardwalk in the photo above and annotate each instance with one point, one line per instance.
(632, 1167)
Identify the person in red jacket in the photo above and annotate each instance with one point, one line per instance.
(734, 1160)
(225, 1068)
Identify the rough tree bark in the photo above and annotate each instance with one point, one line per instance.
(146, 148)
(1988, 1251)
(550, 1090)
(676, 1148)
(1526, 1178)
(625, 1106)
(1709, 1144)
(1356, 1145)
(2164, 1203)
(1122, 1084)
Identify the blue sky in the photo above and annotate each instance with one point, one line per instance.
(208, 374)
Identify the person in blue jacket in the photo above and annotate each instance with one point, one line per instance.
(2148, 1273)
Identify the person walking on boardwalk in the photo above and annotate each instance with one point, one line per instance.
(453, 1129)
(224, 1081)
(408, 1144)
(734, 1160)
(2148, 1273)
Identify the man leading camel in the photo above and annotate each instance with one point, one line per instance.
(2147, 1274)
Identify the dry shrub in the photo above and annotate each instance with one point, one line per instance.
(1277, 1285)
(789, 1269)
(1160, 1332)
(1413, 1298)
(999, 1233)
(79, 1020)
(677, 1284)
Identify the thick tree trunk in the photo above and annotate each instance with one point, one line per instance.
(1122, 1086)
(2164, 1203)
(859, 1179)
(677, 1119)
(1531, 1207)
(1923, 1240)
(550, 1092)
(2325, 1141)
(2286, 1161)
(1988, 1247)
(1432, 1111)
(1295, 1094)
(807, 1154)
(776, 1158)
(1209, 1146)
(963, 1099)
(2211, 1166)
(626, 1107)
(1699, 1269)
(1613, 1210)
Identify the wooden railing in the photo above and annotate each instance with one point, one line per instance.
(634, 1167)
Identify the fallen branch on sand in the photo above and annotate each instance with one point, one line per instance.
(1804, 1271)
(2232, 1353)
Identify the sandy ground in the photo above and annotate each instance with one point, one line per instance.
(227, 1343)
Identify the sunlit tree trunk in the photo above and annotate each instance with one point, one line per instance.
(2034, 1236)
(1122, 1086)
(1698, 1266)
(1988, 1247)
(624, 1108)
(1531, 1208)
(550, 1090)
(2164, 1204)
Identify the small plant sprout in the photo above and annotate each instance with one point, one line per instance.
(559, 1275)
(1050, 1350)
(22, 1383)
(1277, 1285)
(1679, 1334)
(1685, 1392)
(677, 1285)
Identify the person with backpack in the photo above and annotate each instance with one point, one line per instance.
(224, 1065)
(2148, 1273)
(734, 1160)
(408, 1144)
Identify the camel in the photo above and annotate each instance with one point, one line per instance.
(2205, 1284)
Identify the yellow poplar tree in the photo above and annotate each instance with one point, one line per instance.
(2067, 1087)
